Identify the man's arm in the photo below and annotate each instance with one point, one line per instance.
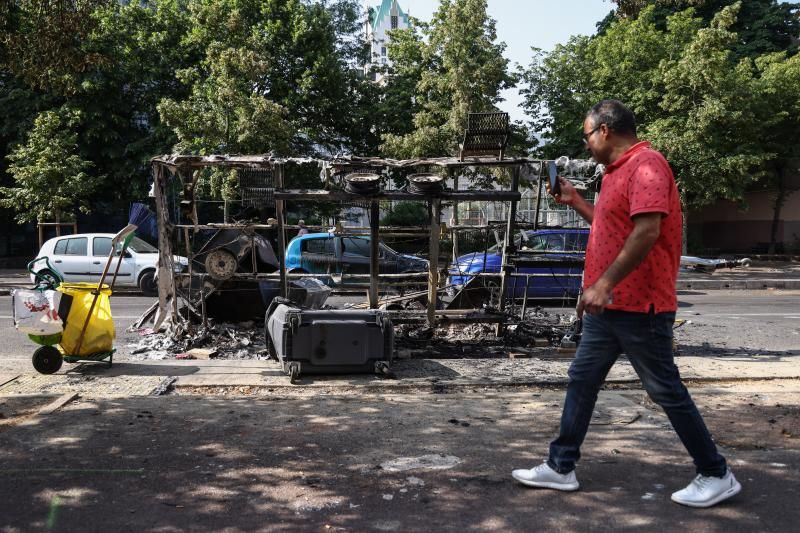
(571, 197)
(646, 229)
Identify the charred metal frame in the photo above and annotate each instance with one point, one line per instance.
(166, 313)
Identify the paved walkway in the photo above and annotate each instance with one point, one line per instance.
(338, 461)
(264, 377)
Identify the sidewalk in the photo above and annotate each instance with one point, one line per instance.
(338, 461)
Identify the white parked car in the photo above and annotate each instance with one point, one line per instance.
(82, 257)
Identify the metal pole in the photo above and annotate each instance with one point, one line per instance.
(433, 260)
(508, 244)
(525, 298)
(538, 198)
(279, 205)
(374, 265)
(455, 219)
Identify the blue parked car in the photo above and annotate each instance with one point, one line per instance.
(554, 244)
(333, 255)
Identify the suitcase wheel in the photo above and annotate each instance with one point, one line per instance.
(382, 369)
(294, 373)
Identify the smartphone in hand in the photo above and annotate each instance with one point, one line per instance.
(555, 187)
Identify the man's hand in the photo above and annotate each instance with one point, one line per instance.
(571, 197)
(594, 299)
(567, 194)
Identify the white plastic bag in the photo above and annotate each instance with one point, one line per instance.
(36, 312)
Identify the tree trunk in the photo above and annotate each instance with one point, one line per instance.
(684, 223)
(780, 199)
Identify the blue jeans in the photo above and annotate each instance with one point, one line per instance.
(646, 338)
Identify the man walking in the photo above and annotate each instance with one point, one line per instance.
(630, 301)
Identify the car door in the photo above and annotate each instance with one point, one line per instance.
(545, 284)
(355, 257)
(101, 247)
(318, 255)
(71, 258)
(388, 260)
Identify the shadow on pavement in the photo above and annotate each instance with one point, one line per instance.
(328, 463)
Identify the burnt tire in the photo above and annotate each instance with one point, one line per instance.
(47, 360)
(147, 283)
(493, 287)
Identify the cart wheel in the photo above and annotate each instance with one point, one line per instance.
(48, 279)
(47, 360)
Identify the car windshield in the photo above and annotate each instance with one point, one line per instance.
(554, 242)
(141, 247)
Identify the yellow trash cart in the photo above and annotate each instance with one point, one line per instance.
(88, 333)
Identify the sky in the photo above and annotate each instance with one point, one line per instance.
(523, 24)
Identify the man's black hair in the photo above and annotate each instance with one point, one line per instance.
(614, 114)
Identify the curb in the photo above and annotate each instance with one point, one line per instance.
(738, 284)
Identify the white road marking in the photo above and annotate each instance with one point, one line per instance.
(736, 315)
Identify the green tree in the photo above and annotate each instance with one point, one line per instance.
(708, 130)
(777, 92)
(763, 26)
(306, 57)
(52, 179)
(43, 41)
(693, 99)
(225, 112)
(462, 70)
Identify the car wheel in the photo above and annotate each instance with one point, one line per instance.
(147, 283)
(47, 360)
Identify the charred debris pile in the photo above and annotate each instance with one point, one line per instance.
(239, 220)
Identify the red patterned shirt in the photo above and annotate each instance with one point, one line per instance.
(640, 181)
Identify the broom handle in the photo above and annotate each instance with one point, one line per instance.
(119, 262)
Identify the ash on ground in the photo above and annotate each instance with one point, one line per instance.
(226, 341)
(540, 330)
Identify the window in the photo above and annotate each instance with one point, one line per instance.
(555, 242)
(383, 51)
(357, 247)
(77, 246)
(576, 242)
(537, 242)
(394, 22)
(101, 246)
(318, 246)
(142, 247)
(61, 247)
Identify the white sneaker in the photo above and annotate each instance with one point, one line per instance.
(705, 491)
(545, 477)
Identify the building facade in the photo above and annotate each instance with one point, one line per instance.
(381, 20)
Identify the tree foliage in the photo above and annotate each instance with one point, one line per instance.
(461, 69)
(43, 41)
(763, 26)
(51, 178)
(706, 109)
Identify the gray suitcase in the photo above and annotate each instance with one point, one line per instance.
(329, 341)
